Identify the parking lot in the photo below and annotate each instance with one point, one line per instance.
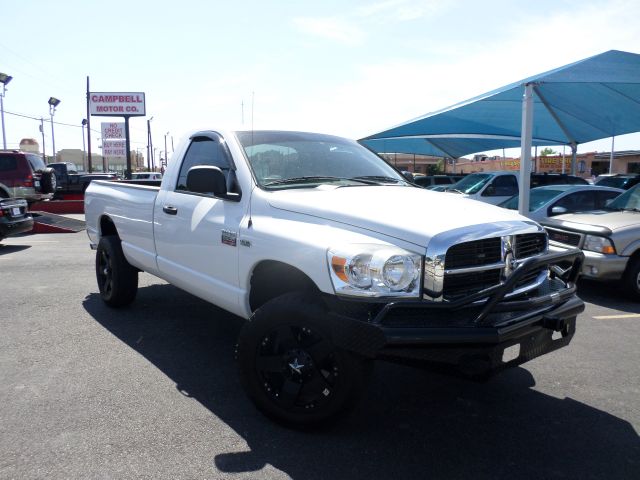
(151, 391)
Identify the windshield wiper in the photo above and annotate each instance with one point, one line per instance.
(454, 190)
(311, 179)
(375, 179)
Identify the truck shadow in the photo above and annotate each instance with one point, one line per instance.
(607, 294)
(410, 424)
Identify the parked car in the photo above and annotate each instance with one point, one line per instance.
(496, 187)
(70, 181)
(146, 176)
(609, 238)
(14, 217)
(552, 200)
(25, 175)
(618, 180)
(432, 180)
(309, 246)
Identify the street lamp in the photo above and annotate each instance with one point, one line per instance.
(165, 146)
(53, 103)
(84, 122)
(4, 80)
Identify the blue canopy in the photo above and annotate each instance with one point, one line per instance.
(587, 100)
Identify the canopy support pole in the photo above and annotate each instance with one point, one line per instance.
(554, 115)
(574, 157)
(525, 149)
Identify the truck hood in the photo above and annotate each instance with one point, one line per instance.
(606, 219)
(411, 214)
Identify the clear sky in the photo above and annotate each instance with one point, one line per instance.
(350, 68)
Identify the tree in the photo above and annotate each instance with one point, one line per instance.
(547, 151)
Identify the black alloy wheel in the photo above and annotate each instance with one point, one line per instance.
(291, 367)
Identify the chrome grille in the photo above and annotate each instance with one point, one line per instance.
(464, 274)
(530, 244)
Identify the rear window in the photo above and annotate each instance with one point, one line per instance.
(7, 163)
(37, 165)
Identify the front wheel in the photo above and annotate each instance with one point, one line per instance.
(631, 279)
(291, 368)
(117, 279)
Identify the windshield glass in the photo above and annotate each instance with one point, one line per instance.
(629, 200)
(537, 198)
(294, 160)
(472, 183)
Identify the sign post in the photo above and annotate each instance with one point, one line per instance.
(118, 104)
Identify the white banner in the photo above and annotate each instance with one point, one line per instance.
(112, 131)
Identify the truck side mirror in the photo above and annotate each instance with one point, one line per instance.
(207, 179)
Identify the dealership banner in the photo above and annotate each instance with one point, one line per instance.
(116, 104)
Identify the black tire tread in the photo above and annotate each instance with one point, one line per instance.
(124, 276)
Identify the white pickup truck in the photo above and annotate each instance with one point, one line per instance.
(334, 259)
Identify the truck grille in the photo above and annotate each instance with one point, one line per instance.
(489, 252)
(564, 237)
(473, 254)
(530, 244)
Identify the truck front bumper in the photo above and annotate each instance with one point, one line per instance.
(482, 334)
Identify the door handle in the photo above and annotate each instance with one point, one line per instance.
(169, 210)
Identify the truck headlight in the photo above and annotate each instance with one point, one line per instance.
(598, 244)
(369, 270)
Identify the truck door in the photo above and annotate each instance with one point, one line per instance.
(197, 234)
(500, 188)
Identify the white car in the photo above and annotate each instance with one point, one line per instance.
(146, 176)
(551, 200)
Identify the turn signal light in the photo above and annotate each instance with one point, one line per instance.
(608, 249)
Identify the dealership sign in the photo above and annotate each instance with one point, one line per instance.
(112, 131)
(114, 148)
(117, 104)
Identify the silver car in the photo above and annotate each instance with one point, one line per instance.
(609, 238)
(552, 200)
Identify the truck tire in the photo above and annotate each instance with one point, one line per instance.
(290, 367)
(631, 279)
(49, 181)
(117, 279)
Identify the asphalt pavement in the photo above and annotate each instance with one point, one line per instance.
(151, 391)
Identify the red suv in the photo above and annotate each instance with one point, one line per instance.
(25, 175)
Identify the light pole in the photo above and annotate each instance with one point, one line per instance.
(4, 80)
(53, 103)
(84, 122)
(149, 146)
(165, 146)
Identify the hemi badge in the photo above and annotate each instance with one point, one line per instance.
(229, 238)
(245, 243)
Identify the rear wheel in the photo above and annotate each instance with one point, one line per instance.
(117, 279)
(291, 368)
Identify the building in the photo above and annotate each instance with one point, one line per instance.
(587, 164)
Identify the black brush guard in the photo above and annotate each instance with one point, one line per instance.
(470, 336)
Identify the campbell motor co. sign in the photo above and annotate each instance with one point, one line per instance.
(116, 104)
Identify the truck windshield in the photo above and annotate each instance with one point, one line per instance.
(629, 200)
(305, 160)
(471, 183)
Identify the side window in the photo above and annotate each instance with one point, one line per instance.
(578, 201)
(204, 151)
(603, 197)
(504, 185)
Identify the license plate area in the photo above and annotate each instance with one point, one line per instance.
(15, 211)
